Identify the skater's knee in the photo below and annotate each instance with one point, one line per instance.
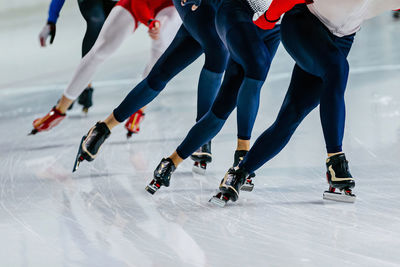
(335, 70)
(95, 21)
(100, 51)
(216, 58)
(257, 68)
(294, 112)
(158, 78)
(222, 112)
(212, 120)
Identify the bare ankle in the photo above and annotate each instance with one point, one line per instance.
(176, 159)
(111, 121)
(243, 144)
(334, 154)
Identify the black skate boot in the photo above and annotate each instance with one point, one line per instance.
(339, 177)
(230, 186)
(91, 143)
(201, 157)
(85, 99)
(248, 184)
(162, 175)
(396, 14)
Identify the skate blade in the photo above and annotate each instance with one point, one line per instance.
(85, 111)
(339, 197)
(199, 170)
(217, 201)
(153, 187)
(150, 189)
(79, 157)
(247, 188)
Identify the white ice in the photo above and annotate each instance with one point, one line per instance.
(102, 216)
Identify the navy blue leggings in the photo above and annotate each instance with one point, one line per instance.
(197, 35)
(95, 13)
(319, 77)
(251, 53)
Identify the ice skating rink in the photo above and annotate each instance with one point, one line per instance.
(102, 216)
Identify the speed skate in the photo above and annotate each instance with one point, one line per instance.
(201, 158)
(339, 178)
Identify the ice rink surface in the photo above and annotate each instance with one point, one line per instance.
(102, 216)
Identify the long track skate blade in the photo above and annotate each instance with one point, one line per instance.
(150, 189)
(217, 201)
(247, 188)
(79, 157)
(339, 197)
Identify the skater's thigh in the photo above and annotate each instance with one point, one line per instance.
(92, 11)
(201, 25)
(117, 27)
(182, 51)
(271, 39)
(309, 42)
(170, 23)
(108, 5)
(304, 93)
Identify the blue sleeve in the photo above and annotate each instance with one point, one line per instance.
(54, 10)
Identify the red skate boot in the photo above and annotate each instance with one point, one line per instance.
(133, 123)
(46, 123)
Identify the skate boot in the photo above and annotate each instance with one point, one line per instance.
(239, 156)
(46, 123)
(91, 143)
(230, 186)
(396, 14)
(339, 177)
(85, 99)
(162, 175)
(133, 123)
(201, 157)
